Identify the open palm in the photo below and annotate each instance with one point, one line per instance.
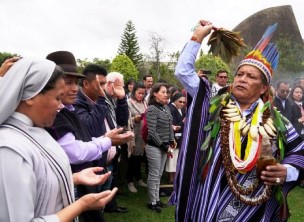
(89, 177)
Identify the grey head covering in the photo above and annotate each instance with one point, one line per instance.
(24, 80)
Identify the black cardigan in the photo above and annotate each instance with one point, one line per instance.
(177, 121)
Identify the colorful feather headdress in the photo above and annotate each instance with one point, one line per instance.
(265, 55)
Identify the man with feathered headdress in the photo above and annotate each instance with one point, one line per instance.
(239, 157)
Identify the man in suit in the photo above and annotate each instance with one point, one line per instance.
(281, 101)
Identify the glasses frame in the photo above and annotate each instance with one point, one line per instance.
(284, 91)
(223, 77)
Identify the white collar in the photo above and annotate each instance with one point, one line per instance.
(23, 118)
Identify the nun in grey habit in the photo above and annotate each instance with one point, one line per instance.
(35, 176)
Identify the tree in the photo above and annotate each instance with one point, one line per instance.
(125, 66)
(84, 62)
(291, 55)
(104, 63)
(214, 64)
(167, 69)
(129, 45)
(156, 51)
(173, 57)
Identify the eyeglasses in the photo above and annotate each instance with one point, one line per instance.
(285, 91)
(182, 102)
(223, 77)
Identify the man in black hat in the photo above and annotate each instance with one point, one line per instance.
(100, 113)
(83, 150)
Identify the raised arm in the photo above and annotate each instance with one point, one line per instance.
(185, 69)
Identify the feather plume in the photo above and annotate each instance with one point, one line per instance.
(266, 38)
(264, 55)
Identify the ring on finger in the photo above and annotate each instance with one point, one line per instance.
(278, 180)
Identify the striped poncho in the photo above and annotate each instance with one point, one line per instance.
(212, 199)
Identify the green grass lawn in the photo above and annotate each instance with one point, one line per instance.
(138, 212)
(296, 205)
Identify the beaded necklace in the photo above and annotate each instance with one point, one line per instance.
(225, 118)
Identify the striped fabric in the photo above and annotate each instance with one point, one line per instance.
(64, 180)
(159, 122)
(211, 199)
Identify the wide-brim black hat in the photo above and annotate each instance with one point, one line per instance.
(66, 60)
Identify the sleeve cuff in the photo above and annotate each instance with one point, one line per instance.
(122, 101)
(192, 47)
(292, 173)
(103, 141)
(51, 218)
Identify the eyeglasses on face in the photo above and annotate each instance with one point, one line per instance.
(182, 102)
(285, 91)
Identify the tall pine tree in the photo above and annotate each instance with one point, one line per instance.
(129, 45)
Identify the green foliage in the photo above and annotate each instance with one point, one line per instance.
(84, 62)
(167, 74)
(4, 56)
(213, 63)
(161, 70)
(124, 65)
(129, 45)
(156, 53)
(291, 55)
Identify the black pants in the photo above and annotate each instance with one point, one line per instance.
(118, 174)
(134, 168)
(92, 215)
(122, 167)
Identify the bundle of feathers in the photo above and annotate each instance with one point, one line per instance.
(225, 44)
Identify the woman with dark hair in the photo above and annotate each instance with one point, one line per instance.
(159, 142)
(35, 174)
(137, 106)
(177, 108)
(297, 109)
(129, 87)
(172, 91)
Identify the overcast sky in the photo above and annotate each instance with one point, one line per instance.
(93, 28)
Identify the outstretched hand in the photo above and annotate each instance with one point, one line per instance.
(95, 201)
(89, 177)
(119, 138)
(92, 201)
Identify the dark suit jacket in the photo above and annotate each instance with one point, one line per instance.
(292, 112)
(177, 121)
(296, 113)
(285, 112)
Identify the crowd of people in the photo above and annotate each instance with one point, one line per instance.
(70, 139)
(73, 138)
